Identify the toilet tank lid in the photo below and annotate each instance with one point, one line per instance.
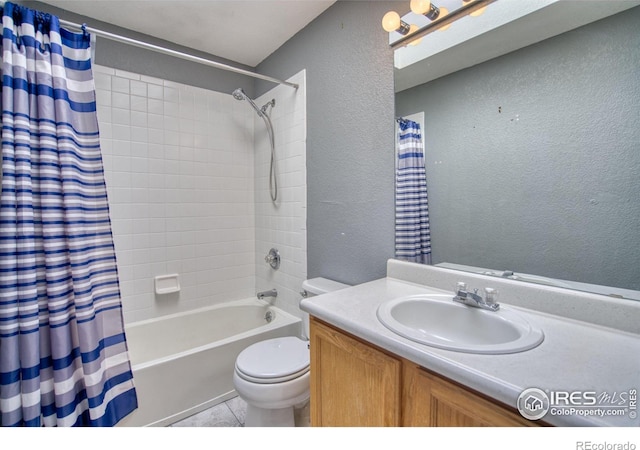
(321, 285)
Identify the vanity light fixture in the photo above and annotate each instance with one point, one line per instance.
(440, 17)
(426, 8)
(391, 22)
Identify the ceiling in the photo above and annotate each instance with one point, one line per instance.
(245, 31)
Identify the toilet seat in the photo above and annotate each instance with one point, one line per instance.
(273, 361)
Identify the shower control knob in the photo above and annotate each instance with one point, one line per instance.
(273, 258)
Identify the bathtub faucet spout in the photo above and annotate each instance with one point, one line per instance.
(272, 293)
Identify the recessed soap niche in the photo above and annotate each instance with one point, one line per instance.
(167, 284)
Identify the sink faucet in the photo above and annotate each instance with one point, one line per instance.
(272, 293)
(474, 299)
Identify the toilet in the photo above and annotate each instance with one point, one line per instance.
(272, 376)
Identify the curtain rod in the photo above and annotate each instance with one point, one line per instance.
(168, 51)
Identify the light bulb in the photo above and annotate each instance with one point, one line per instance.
(443, 12)
(391, 21)
(412, 29)
(420, 6)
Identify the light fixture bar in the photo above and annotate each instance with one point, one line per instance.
(404, 28)
(439, 23)
(433, 12)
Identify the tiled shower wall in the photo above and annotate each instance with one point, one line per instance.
(188, 183)
(179, 167)
(282, 225)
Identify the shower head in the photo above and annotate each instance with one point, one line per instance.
(239, 94)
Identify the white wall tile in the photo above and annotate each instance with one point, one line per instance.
(102, 81)
(120, 99)
(155, 106)
(155, 91)
(125, 74)
(151, 80)
(119, 84)
(120, 116)
(282, 226)
(137, 103)
(138, 88)
(102, 69)
(165, 188)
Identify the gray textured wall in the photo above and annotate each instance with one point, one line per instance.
(350, 138)
(350, 124)
(134, 59)
(538, 157)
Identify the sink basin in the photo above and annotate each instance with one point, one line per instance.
(438, 321)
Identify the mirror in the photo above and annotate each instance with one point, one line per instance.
(533, 159)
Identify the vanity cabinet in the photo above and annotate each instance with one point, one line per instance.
(430, 400)
(354, 383)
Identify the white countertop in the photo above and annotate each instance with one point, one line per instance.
(574, 356)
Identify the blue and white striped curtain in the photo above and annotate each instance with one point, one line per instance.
(63, 354)
(413, 237)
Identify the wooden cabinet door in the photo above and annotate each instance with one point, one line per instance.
(352, 383)
(431, 401)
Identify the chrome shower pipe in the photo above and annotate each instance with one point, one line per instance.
(273, 179)
(239, 94)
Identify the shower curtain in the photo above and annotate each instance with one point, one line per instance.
(63, 353)
(413, 237)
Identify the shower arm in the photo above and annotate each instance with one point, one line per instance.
(271, 103)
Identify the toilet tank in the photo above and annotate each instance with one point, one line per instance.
(313, 287)
(317, 286)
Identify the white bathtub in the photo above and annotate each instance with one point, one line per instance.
(183, 363)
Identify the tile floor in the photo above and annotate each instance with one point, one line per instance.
(228, 414)
(231, 414)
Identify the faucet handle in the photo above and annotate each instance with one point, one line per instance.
(461, 286)
(490, 296)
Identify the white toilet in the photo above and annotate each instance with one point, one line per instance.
(272, 376)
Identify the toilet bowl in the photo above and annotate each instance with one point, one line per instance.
(272, 376)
